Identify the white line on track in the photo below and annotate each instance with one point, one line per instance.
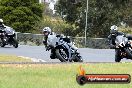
(33, 59)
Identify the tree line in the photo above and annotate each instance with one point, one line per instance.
(22, 15)
(101, 15)
(31, 16)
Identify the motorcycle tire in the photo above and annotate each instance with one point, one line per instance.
(2, 44)
(78, 59)
(60, 56)
(117, 55)
(15, 43)
(129, 52)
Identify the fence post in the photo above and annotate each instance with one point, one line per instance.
(17, 35)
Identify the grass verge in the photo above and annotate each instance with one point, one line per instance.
(58, 75)
(13, 58)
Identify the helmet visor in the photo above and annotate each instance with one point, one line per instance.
(45, 33)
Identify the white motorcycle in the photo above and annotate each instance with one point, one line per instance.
(123, 48)
(8, 37)
(64, 51)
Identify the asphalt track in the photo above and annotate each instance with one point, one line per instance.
(38, 53)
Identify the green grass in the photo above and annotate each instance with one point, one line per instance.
(12, 58)
(58, 75)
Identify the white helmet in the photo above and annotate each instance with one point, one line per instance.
(114, 27)
(1, 20)
(46, 29)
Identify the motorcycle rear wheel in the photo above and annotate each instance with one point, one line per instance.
(15, 43)
(129, 52)
(78, 59)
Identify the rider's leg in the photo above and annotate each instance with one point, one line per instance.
(52, 55)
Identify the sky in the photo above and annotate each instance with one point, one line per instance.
(52, 2)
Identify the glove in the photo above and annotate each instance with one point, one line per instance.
(112, 46)
(48, 48)
(45, 42)
(58, 35)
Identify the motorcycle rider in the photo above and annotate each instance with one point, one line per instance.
(47, 31)
(1, 24)
(113, 34)
(2, 27)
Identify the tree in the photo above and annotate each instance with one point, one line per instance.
(101, 15)
(22, 15)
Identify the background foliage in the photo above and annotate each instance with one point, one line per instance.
(101, 14)
(30, 16)
(22, 15)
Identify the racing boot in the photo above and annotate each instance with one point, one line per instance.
(52, 55)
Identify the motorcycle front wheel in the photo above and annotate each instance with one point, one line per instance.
(62, 54)
(78, 58)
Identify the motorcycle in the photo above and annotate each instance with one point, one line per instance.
(123, 47)
(64, 51)
(7, 36)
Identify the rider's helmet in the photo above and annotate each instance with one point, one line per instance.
(1, 21)
(46, 31)
(113, 29)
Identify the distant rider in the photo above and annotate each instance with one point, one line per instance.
(1, 24)
(113, 34)
(2, 30)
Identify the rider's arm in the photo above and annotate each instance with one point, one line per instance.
(109, 37)
(111, 42)
(46, 45)
(58, 35)
(45, 41)
(4, 25)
